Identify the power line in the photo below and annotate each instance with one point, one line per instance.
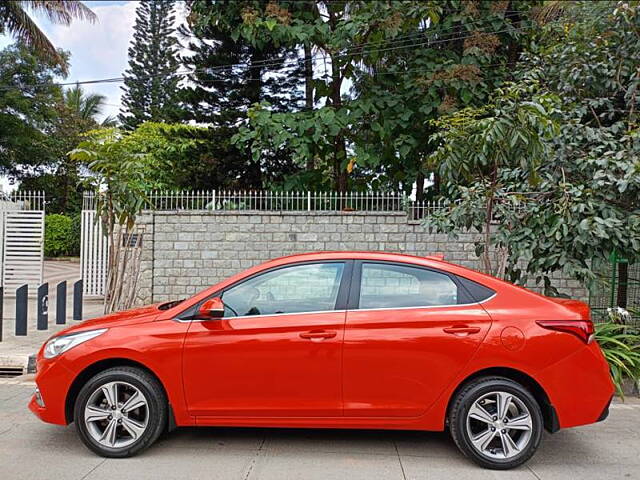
(358, 50)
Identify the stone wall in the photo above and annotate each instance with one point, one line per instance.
(187, 251)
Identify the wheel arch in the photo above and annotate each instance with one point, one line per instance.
(549, 415)
(101, 365)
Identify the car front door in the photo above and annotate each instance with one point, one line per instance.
(409, 331)
(277, 352)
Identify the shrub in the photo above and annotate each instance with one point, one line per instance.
(76, 232)
(620, 345)
(59, 236)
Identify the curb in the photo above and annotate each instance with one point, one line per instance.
(18, 361)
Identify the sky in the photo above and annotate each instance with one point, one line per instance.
(98, 50)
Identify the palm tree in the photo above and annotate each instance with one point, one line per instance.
(87, 106)
(15, 20)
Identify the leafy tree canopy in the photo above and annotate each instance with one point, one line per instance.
(151, 81)
(407, 63)
(558, 170)
(28, 108)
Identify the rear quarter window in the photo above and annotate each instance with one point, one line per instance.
(473, 292)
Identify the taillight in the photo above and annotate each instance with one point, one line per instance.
(583, 329)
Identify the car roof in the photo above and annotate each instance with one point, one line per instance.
(356, 255)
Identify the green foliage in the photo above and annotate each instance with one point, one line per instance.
(39, 125)
(403, 75)
(27, 111)
(220, 95)
(561, 200)
(60, 236)
(321, 138)
(151, 82)
(86, 106)
(126, 165)
(620, 345)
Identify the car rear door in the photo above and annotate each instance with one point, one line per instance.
(409, 331)
(278, 350)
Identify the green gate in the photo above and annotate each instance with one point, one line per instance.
(617, 284)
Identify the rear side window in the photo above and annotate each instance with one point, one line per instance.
(474, 291)
(397, 286)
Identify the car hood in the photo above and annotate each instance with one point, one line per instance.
(127, 317)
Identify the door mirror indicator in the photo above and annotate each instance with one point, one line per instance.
(212, 308)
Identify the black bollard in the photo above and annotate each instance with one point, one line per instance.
(43, 307)
(77, 300)
(61, 303)
(22, 309)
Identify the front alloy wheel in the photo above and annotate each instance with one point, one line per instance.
(116, 414)
(496, 422)
(120, 411)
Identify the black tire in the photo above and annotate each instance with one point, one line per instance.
(475, 391)
(155, 410)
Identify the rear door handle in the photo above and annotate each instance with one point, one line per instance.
(318, 335)
(461, 330)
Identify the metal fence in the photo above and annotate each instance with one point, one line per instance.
(264, 200)
(617, 285)
(22, 200)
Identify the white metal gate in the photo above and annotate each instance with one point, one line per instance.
(21, 240)
(23, 248)
(94, 254)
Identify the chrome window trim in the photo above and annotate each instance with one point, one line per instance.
(258, 316)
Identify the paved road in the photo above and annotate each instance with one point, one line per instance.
(30, 449)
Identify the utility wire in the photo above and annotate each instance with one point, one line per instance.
(280, 63)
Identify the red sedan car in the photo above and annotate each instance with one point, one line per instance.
(334, 340)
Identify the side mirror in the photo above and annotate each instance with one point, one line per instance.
(212, 308)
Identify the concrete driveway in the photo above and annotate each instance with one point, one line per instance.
(30, 449)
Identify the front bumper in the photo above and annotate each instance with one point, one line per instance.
(53, 381)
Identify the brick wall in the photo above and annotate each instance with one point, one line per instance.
(185, 252)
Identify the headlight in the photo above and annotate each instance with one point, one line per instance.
(59, 345)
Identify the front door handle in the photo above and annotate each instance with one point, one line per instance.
(461, 330)
(318, 335)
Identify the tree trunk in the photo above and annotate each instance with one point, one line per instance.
(420, 186)
(308, 92)
(340, 152)
(487, 234)
(254, 95)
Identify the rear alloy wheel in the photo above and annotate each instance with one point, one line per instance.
(120, 411)
(496, 422)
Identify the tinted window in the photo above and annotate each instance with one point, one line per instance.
(396, 286)
(299, 288)
(476, 292)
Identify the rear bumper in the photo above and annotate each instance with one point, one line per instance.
(605, 413)
(580, 387)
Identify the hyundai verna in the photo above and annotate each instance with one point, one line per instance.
(334, 340)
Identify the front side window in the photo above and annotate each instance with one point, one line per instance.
(295, 289)
(398, 286)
